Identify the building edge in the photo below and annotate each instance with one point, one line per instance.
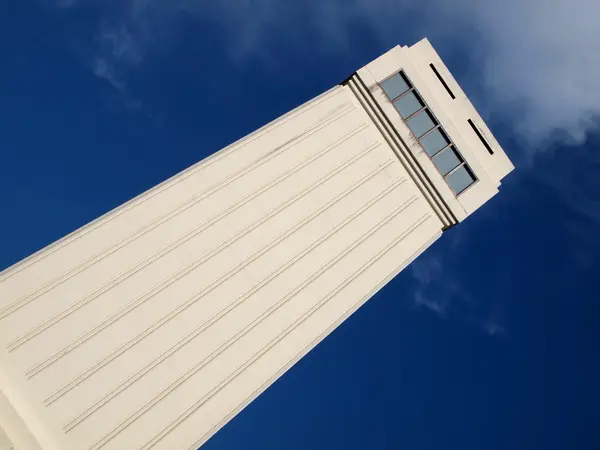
(390, 134)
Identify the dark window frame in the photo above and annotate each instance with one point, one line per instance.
(437, 125)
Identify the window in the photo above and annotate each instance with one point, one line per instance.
(460, 179)
(437, 74)
(435, 141)
(395, 86)
(430, 134)
(421, 123)
(483, 141)
(446, 161)
(408, 104)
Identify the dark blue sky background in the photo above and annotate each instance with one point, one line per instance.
(489, 341)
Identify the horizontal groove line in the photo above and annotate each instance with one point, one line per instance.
(23, 301)
(237, 301)
(289, 363)
(187, 204)
(166, 430)
(136, 415)
(15, 344)
(165, 283)
(142, 198)
(420, 177)
(192, 409)
(132, 342)
(371, 110)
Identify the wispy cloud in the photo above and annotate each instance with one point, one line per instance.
(122, 44)
(533, 66)
(541, 61)
(426, 271)
(103, 69)
(439, 292)
(537, 63)
(126, 32)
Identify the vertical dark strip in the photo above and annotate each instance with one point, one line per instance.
(437, 74)
(483, 141)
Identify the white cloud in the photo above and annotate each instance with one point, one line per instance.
(426, 270)
(541, 57)
(439, 292)
(105, 70)
(437, 305)
(493, 329)
(538, 61)
(531, 64)
(121, 44)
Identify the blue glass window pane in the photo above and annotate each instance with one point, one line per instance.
(434, 142)
(408, 104)
(421, 123)
(395, 86)
(460, 179)
(446, 161)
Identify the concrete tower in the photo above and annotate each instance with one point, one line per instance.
(154, 325)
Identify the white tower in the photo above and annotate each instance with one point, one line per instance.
(154, 325)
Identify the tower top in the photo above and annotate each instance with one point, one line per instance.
(435, 120)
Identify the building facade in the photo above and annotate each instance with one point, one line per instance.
(154, 325)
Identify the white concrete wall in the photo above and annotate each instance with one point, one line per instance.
(452, 115)
(5, 442)
(154, 325)
(459, 110)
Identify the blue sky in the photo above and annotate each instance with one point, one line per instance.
(488, 341)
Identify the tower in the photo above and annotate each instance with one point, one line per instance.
(152, 326)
